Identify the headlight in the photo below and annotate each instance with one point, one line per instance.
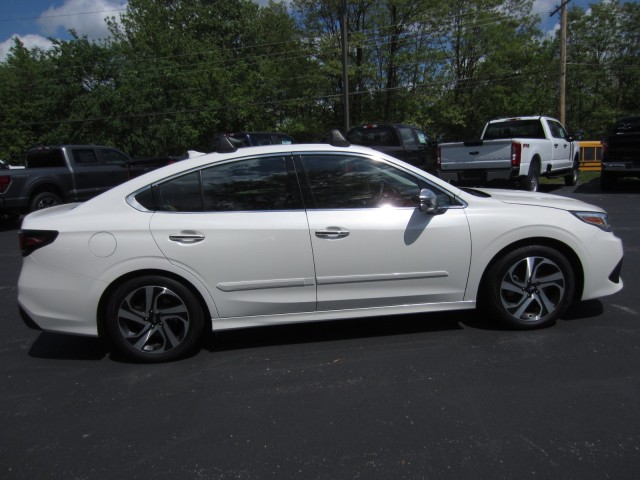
(598, 219)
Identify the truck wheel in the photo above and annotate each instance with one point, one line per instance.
(44, 200)
(530, 182)
(571, 179)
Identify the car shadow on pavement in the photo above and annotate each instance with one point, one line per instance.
(57, 346)
(584, 309)
(336, 330)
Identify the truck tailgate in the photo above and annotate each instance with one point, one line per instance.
(490, 154)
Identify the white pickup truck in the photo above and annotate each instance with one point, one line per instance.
(519, 150)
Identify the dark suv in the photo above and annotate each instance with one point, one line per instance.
(405, 142)
(621, 153)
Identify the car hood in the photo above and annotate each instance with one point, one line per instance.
(517, 197)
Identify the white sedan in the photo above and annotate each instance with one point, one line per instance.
(298, 233)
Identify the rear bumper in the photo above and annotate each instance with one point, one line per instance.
(44, 300)
(477, 175)
(28, 321)
(630, 168)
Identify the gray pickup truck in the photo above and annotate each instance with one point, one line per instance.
(67, 173)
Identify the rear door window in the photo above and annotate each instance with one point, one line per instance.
(109, 156)
(409, 140)
(85, 156)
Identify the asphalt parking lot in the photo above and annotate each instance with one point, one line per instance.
(414, 397)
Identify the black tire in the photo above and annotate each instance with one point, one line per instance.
(572, 179)
(154, 319)
(529, 287)
(607, 181)
(531, 182)
(44, 200)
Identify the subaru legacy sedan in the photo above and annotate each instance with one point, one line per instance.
(299, 233)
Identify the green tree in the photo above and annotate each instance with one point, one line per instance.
(24, 102)
(603, 65)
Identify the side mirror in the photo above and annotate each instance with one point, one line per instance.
(429, 202)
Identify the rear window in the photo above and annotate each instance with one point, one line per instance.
(270, 139)
(45, 158)
(514, 129)
(374, 136)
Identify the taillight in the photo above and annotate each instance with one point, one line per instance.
(32, 240)
(516, 154)
(438, 158)
(5, 180)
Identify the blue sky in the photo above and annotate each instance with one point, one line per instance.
(34, 21)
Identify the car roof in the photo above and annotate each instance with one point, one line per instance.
(199, 160)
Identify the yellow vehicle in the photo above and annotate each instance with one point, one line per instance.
(590, 156)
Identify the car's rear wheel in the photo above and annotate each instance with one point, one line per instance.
(530, 182)
(154, 319)
(530, 287)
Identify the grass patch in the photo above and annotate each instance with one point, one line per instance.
(583, 177)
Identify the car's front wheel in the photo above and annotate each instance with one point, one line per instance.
(530, 287)
(572, 179)
(154, 319)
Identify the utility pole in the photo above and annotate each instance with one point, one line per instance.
(563, 58)
(345, 70)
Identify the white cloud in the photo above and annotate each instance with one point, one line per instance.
(86, 17)
(29, 41)
(544, 7)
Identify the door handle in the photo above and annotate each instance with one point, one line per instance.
(332, 233)
(187, 238)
